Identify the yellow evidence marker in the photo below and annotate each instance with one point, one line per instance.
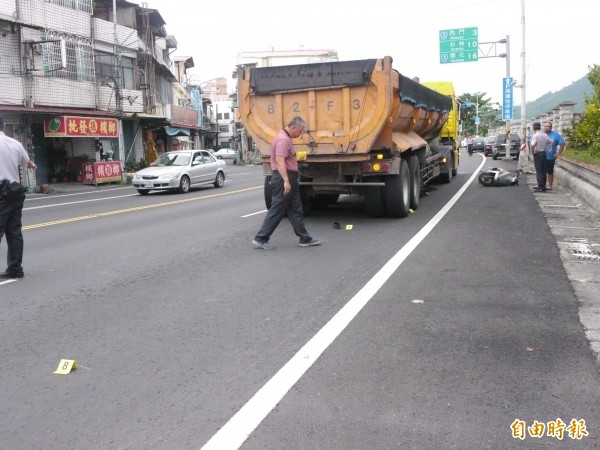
(65, 366)
(349, 227)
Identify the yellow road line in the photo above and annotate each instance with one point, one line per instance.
(136, 208)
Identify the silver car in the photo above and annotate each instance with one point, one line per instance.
(181, 170)
(225, 153)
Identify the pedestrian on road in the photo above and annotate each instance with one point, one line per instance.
(12, 198)
(540, 143)
(470, 146)
(558, 144)
(285, 189)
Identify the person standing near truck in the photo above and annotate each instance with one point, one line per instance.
(285, 189)
(12, 198)
(558, 144)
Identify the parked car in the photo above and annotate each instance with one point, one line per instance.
(181, 170)
(225, 153)
(478, 144)
(499, 148)
(489, 145)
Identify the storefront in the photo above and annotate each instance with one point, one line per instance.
(71, 158)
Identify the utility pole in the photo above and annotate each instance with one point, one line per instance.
(118, 94)
(477, 116)
(217, 125)
(523, 77)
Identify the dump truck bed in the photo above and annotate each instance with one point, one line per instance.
(351, 108)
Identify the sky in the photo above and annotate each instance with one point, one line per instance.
(560, 37)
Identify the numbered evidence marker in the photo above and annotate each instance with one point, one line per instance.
(65, 366)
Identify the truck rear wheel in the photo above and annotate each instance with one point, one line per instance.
(415, 181)
(397, 192)
(374, 200)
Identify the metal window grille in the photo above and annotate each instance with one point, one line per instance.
(77, 5)
(79, 57)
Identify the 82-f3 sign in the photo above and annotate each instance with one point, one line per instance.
(459, 45)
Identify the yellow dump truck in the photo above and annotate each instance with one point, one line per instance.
(449, 134)
(370, 130)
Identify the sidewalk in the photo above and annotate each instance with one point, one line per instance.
(74, 187)
(575, 225)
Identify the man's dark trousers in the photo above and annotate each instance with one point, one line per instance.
(282, 205)
(539, 161)
(11, 214)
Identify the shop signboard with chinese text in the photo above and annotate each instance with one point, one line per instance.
(507, 98)
(101, 172)
(76, 126)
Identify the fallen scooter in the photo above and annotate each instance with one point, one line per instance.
(495, 176)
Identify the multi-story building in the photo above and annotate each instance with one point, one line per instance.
(269, 59)
(225, 121)
(88, 81)
(286, 57)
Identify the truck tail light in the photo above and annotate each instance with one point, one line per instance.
(377, 167)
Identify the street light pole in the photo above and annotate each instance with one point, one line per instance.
(523, 76)
(477, 116)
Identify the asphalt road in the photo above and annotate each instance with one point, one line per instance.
(434, 331)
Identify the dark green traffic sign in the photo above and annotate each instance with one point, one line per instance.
(459, 45)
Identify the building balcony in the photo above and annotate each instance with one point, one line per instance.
(132, 101)
(43, 15)
(104, 32)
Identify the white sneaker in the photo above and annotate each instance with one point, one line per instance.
(264, 245)
(310, 243)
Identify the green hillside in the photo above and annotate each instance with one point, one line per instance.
(575, 92)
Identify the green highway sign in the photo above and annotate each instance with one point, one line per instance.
(459, 45)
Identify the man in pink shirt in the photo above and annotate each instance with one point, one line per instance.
(285, 189)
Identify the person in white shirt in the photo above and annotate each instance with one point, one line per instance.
(540, 144)
(12, 198)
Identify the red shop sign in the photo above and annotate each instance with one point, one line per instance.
(101, 172)
(76, 126)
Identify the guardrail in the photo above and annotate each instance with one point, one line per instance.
(583, 179)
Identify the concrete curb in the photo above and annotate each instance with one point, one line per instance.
(580, 180)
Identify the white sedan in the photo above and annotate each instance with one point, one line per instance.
(181, 170)
(225, 153)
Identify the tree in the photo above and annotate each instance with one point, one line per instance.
(586, 134)
(489, 113)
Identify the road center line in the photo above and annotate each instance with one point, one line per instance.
(135, 208)
(233, 434)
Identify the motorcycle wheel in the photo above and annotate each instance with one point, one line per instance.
(486, 179)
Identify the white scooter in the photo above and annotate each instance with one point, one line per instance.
(495, 176)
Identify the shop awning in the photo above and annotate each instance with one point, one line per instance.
(172, 131)
(146, 116)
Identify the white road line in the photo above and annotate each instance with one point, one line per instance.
(233, 434)
(80, 201)
(254, 213)
(8, 281)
